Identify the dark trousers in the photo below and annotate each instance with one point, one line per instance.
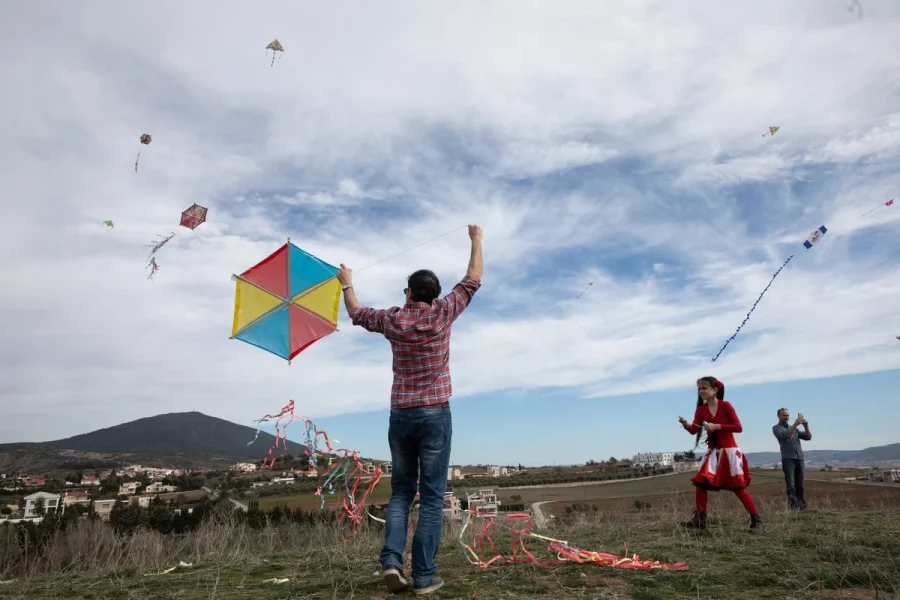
(793, 479)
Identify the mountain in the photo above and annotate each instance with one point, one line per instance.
(188, 439)
(874, 456)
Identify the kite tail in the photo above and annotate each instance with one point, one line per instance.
(747, 318)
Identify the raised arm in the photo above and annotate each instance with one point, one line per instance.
(368, 318)
(734, 424)
(806, 434)
(476, 262)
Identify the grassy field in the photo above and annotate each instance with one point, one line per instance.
(309, 501)
(847, 545)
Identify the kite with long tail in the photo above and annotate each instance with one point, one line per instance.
(888, 203)
(811, 241)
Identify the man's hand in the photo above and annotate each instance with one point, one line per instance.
(475, 232)
(345, 275)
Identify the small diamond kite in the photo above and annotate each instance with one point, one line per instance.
(108, 224)
(274, 46)
(194, 216)
(286, 302)
(772, 131)
(145, 139)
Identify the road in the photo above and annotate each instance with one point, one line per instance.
(540, 521)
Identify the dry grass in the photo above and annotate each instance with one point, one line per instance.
(834, 550)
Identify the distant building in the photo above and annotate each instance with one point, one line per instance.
(103, 507)
(244, 467)
(653, 460)
(129, 488)
(52, 504)
(70, 497)
(158, 488)
(495, 471)
(452, 506)
(454, 473)
(386, 468)
(483, 502)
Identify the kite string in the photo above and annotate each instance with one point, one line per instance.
(413, 248)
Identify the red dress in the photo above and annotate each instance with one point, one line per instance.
(724, 466)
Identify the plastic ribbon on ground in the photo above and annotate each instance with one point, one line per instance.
(520, 528)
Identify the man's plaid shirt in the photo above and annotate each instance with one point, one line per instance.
(419, 334)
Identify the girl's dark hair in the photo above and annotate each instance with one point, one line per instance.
(720, 394)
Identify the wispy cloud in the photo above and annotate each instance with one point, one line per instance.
(619, 145)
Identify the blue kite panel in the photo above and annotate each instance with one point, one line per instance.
(305, 270)
(270, 334)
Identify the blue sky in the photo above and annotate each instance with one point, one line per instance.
(616, 145)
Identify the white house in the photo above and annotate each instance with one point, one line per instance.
(52, 504)
(129, 488)
(495, 471)
(244, 467)
(653, 460)
(386, 468)
(454, 473)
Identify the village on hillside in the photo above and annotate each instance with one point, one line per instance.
(30, 497)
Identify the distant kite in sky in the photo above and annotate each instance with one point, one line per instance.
(772, 131)
(108, 223)
(274, 46)
(888, 203)
(286, 302)
(584, 290)
(814, 237)
(145, 139)
(193, 216)
(811, 241)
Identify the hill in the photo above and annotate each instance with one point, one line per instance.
(874, 456)
(189, 439)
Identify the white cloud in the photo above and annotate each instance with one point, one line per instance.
(620, 145)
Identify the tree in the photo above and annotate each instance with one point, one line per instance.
(39, 509)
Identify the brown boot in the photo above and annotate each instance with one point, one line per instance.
(756, 524)
(698, 521)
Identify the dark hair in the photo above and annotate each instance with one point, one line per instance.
(781, 409)
(720, 394)
(424, 286)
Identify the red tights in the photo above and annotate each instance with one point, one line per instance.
(742, 495)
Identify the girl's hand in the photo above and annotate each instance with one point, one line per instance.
(683, 421)
(710, 427)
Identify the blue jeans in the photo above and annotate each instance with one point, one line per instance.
(793, 479)
(420, 454)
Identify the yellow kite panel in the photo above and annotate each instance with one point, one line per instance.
(323, 300)
(250, 303)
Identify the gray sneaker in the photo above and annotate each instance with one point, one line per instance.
(394, 580)
(435, 584)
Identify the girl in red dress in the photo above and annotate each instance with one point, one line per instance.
(724, 466)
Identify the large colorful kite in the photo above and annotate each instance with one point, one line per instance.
(286, 302)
